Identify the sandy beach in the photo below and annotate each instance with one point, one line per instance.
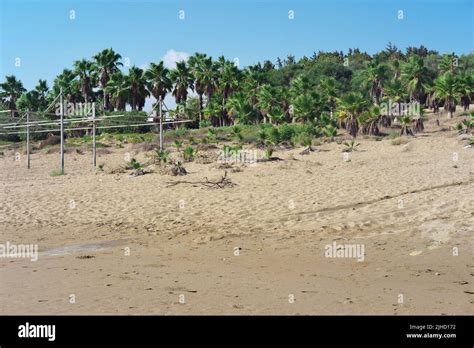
(117, 244)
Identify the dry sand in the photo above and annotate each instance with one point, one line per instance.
(408, 204)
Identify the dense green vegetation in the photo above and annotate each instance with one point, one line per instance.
(324, 92)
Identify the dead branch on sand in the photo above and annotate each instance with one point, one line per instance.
(223, 182)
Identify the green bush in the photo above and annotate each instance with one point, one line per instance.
(204, 124)
(274, 135)
(286, 132)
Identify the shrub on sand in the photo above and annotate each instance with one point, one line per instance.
(189, 153)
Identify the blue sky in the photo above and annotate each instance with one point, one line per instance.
(42, 35)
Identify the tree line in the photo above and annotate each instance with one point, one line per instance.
(329, 89)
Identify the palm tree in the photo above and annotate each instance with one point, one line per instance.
(107, 63)
(305, 102)
(84, 68)
(300, 85)
(208, 77)
(394, 92)
(28, 101)
(238, 108)
(448, 89)
(136, 83)
(305, 107)
(368, 121)
(212, 111)
(67, 81)
(375, 74)
(10, 91)
(350, 107)
(395, 66)
(284, 97)
(328, 87)
(196, 64)
(448, 63)
(159, 83)
(119, 91)
(277, 114)
(227, 83)
(431, 102)
(205, 83)
(414, 75)
(251, 84)
(466, 86)
(405, 123)
(42, 89)
(182, 80)
(265, 101)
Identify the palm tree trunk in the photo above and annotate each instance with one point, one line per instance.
(200, 108)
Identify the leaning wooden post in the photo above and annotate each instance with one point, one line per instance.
(62, 130)
(161, 127)
(28, 138)
(93, 137)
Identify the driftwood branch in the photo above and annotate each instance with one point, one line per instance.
(224, 181)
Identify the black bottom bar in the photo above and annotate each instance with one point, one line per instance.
(194, 330)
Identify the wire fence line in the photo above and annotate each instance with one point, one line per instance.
(29, 123)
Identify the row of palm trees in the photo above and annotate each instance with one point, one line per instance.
(227, 95)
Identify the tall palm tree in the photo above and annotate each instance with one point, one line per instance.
(159, 83)
(42, 89)
(228, 82)
(107, 63)
(265, 101)
(447, 88)
(195, 62)
(10, 91)
(204, 72)
(136, 83)
(84, 69)
(448, 63)
(119, 91)
(183, 80)
(67, 81)
(414, 75)
(252, 82)
(208, 76)
(375, 74)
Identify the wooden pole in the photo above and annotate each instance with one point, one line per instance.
(28, 138)
(94, 161)
(161, 126)
(62, 130)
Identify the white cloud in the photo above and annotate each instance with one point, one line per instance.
(172, 56)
